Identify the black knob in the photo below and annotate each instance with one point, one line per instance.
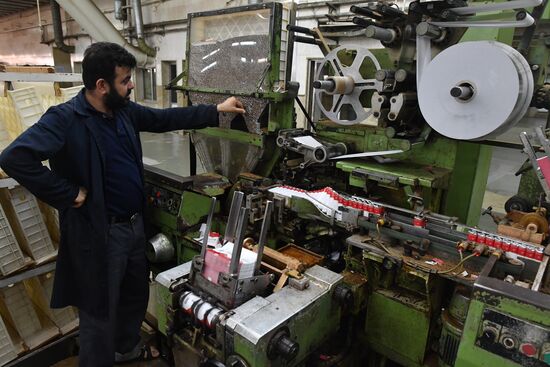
(490, 334)
(287, 348)
(343, 295)
(282, 346)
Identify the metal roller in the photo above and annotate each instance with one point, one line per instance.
(345, 87)
(475, 90)
(328, 151)
(200, 309)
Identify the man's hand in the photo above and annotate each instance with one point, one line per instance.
(81, 198)
(231, 104)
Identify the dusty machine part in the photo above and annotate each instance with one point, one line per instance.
(160, 249)
(313, 150)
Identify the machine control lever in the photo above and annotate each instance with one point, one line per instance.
(238, 244)
(298, 29)
(263, 234)
(236, 204)
(208, 226)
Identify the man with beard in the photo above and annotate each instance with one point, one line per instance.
(95, 180)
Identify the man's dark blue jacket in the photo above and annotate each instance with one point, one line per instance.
(68, 136)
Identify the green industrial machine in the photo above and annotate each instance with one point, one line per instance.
(341, 243)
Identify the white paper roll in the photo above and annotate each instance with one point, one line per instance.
(502, 86)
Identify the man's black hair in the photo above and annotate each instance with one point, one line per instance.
(100, 61)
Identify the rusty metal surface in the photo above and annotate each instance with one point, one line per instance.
(307, 258)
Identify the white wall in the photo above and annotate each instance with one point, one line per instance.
(20, 34)
(20, 38)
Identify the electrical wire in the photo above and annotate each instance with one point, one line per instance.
(457, 265)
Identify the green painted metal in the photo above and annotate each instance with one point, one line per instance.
(363, 138)
(440, 163)
(469, 355)
(281, 116)
(187, 248)
(529, 187)
(405, 173)
(467, 185)
(194, 207)
(307, 328)
(233, 135)
(398, 325)
(163, 300)
(162, 219)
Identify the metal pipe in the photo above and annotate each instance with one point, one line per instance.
(382, 34)
(89, 17)
(120, 14)
(138, 16)
(39, 15)
(58, 29)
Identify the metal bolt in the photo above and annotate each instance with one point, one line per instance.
(535, 67)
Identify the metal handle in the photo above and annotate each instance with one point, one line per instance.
(236, 205)
(263, 234)
(207, 229)
(238, 244)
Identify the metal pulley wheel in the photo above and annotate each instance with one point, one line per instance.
(343, 89)
(475, 90)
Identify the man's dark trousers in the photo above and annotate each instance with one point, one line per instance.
(128, 286)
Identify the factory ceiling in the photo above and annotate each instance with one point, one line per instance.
(9, 7)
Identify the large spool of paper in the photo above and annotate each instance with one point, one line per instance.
(475, 90)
